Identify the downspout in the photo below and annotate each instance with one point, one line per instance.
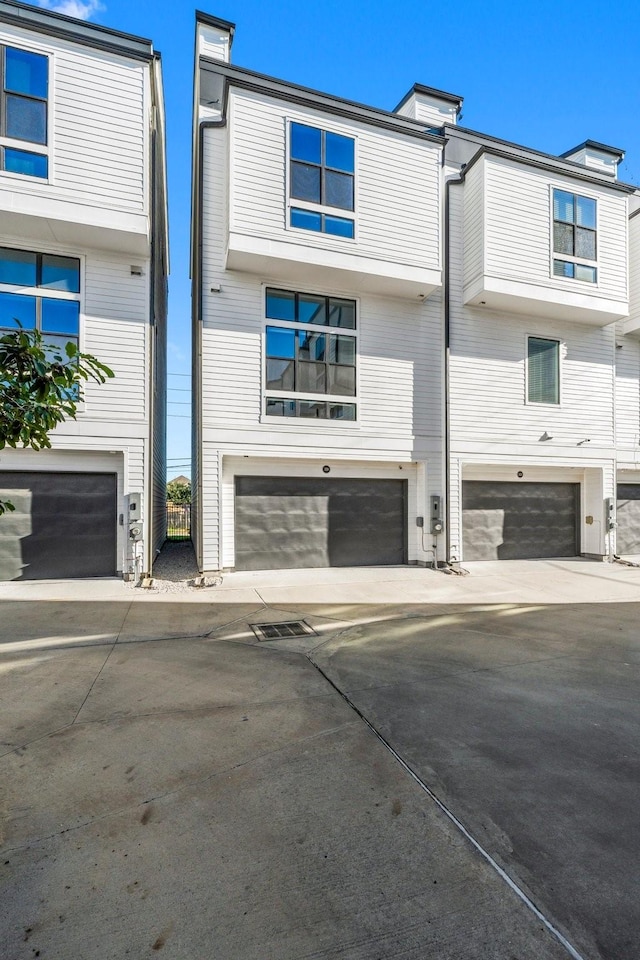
(447, 357)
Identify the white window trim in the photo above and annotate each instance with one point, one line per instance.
(562, 350)
(43, 149)
(581, 261)
(295, 423)
(292, 202)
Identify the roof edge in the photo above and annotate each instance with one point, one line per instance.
(431, 92)
(594, 145)
(60, 25)
(249, 79)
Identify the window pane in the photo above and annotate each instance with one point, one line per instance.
(26, 72)
(563, 206)
(17, 267)
(562, 269)
(306, 143)
(314, 410)
(280, 375)
(585, 244)
(312, 309)
(342, 411)
(55, 347)
(60, 273)
(342, 350)
(281, 343)
(30, 164)
(586, 273)
(306, 220)
(312, 378)
(563, 238)
(342, 313)
(338, 227)
(338, 190)
(281, 408)
(281, 305)
(586, 212)
(16, 310)
(26, 119)
(61, 316)
(311, 346)
(305, 182)
(543, 371)
(342, 380)
(339, 152)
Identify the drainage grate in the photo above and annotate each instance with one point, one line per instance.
(276, 631)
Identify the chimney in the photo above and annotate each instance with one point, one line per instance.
(432, 107)
(213, 37)
(596, 156)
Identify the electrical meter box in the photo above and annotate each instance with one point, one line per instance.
(135, 506)
(437, 523)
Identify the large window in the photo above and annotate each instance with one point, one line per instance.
(574, 236)
(543, 370)
(310, 356)
(24, 91)
(321, 180)
(40, 291)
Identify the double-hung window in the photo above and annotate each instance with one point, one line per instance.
(24, 93)
(543, 370)
(40, 291)
(321, 180)
(310, 356)
(574, 236)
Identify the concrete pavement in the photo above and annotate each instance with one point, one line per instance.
(172, 784)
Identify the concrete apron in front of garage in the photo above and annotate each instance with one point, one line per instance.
(213, 795)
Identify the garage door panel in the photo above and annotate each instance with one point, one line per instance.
(519, 521)
(293, 522)
(628, 516)
(64, 526)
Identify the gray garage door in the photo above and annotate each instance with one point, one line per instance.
(519, 521)
(284, 523)
(628, 516)
(64, 525)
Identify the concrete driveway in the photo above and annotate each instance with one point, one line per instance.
(173, 785)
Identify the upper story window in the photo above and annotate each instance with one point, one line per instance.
(310, 356)
(574, 236)
(543, 370)
(24, 92)
(321, 180)
(40, 291)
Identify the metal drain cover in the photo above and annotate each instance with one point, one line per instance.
(277, 631)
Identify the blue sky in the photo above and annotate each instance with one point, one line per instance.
(548, 75)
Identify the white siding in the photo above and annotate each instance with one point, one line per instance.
(397, 183)
(488, 367)
(210, 508)
(628, 394)
(633, 323)
(518, 223)
(474, 225)
(98, 134)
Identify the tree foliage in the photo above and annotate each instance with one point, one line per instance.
(40, 386)
(178, 492)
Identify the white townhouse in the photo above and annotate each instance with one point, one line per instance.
(83, 257)
(318, 351)
(412, 342)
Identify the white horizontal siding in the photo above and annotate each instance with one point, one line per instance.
(519, 221)
(397, 183)
(98, 131)
(210, 508)
(487, 374)
(115, 330)
(473, 227)
(634, 272)
(628, 393)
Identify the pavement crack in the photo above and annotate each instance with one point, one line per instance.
(95, 680)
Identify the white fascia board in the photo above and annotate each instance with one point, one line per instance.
(76, 226)
(291, 262)
(541, 301)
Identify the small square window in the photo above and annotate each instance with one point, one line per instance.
(18, 267)
(29, 164)
(543, 370)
